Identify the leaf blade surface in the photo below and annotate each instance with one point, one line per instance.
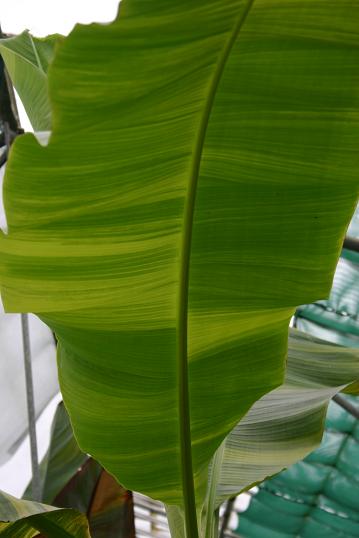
(97, 250)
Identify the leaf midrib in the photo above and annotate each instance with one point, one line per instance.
(38, 65)
(184, 407)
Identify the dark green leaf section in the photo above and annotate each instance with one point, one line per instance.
(97, 219)
(25, 519)
(27, 60)
(318, 497)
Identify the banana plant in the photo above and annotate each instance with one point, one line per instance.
(199, 178)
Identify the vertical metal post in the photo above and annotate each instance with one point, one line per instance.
(36, 481)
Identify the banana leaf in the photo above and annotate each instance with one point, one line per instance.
(317, 497)
(200, 176)
(62, 460)
(27, 60)
(26, 519)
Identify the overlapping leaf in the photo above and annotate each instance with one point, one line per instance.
(62, 460)
(27, 59)
(197, 187)
(286, 424)
(317, 497)
(26, 519)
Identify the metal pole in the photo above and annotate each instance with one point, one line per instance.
(351, 243)
(345, 404)
(36, 481)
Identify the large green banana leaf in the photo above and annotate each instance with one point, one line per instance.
(197, 186)
(26, 519)
(27, 59)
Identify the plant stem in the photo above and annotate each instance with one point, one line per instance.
(211, 521)
(36, 482)
(182, 328)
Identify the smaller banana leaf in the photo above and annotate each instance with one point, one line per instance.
(27, 519)
(62, 460)
(286, 424)
(27, 59)
(317, 497)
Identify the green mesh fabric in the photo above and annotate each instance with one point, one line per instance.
(317, 497)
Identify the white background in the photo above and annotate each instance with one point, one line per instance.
(43, 17)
